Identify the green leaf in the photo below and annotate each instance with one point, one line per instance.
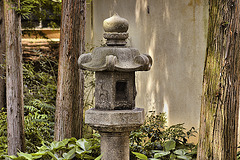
(87, 157)
(99, 157)
(170, 145)
(238, 157)
(184, 157)
(12, 157)
(25, 155)
(70, 154)
(173, 156)
(59, 1)
(194, 152)
(43, 148)
(96, 135)
(79, 151)
(71, 145)
(52, 155)
(85, 145)
(73, 139)
(94, 147)
(82, 152)
(180, 152)
(161, 154)
(39, 153)
(18, 158)
(140, 156)
(57, 145)
(65, 141)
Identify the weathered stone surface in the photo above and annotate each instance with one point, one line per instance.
(116, 56)
(123, 59)
(114, 120)
(116, 39)
(115, 146)
(116, 36)
(115, 115)
(115, 24)
(115, 90)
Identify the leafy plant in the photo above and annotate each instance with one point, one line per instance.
(3, 132)
(63, 150)
(148, 136)
(169, 152)
(48, 12)
(39, 124)
(39, 98)
(40, 86)
(155, 140)
(40, 80)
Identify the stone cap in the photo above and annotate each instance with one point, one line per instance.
(115, 24)
(115, 56)
(114, 120)
(115, 29)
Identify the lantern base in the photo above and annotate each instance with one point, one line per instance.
(114, 127)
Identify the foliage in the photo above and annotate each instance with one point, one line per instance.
(65, 149)
(40, 87)
(39, 79)
(238, 153)
(3, 132)
(39, 124)
(155, 140)
(35, 11)
(89, 89)
(169, 152)
(39, 99)
(89, 82)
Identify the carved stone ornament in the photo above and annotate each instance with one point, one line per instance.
(115, 56)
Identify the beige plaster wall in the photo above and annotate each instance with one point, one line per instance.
(174, 33)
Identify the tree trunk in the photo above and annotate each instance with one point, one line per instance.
(69, 103)
(14, 78)
(2, 61)
(220, 99)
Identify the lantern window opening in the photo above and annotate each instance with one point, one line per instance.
(121, 91)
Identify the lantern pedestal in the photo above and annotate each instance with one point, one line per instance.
(114, 127)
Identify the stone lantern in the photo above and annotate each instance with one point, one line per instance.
(115, 115)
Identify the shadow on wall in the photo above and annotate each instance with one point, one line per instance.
(176, 39)
(173, 32)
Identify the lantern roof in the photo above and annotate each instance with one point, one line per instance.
(115, 55)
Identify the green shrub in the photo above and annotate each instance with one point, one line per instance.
(35, 11)
(39, 98)
(66, 149)
(3, 132)
(155, 140)
(40, 87)
(40, 81)
(39, 124)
